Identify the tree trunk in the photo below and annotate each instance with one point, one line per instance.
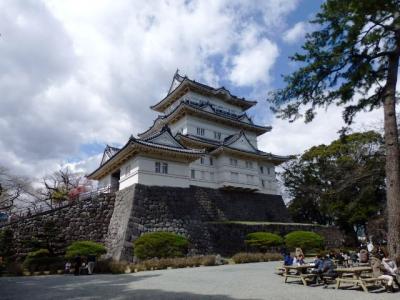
(392, 158)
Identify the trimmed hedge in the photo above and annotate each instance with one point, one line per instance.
(263, 241)
(85, 248)
(161, 245)
(306, 240)
(41, 260)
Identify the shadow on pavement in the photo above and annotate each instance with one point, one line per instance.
(89, 287)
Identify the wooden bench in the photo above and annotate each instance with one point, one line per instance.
(363, 282)
(280, 270)
(302, 277)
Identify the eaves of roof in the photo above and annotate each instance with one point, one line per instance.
(186, 82)
(182, 105)
(276, 159)
(132, 142)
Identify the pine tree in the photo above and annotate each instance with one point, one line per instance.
(352, 60)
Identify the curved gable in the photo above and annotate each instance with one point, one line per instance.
(164, 138)
(241, 142)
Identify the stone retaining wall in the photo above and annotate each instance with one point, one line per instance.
(82, 220)
(201, 214)
(193, 212)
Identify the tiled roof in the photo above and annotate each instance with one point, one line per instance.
(179, 81)
(133, 141)
(202, 108)
(109, 152)
(230, 140)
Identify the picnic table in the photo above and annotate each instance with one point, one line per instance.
(357, 276)
(299, 274)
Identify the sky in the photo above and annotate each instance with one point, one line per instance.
(76, 75)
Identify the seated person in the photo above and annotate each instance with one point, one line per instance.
(379, 253)
(378, 271)
(298, 261)
(326, 268)
(354, 257)
(298, 252)
(364, 256)
(318, 261)
(287, 259)
(390, 267)
(67, 268)
(83, 269)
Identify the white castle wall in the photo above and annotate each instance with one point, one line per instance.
(142, 170)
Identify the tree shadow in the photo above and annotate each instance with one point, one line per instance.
(89, 287)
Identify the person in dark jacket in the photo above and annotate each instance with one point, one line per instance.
(77, 264)
(287, 259)
(324, 268)
(91, 263)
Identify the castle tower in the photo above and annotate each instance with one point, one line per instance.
(202, 137)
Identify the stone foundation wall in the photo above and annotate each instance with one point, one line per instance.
(203, 215)
(82, 220)
(200, 214)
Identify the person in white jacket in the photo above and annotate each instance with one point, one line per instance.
(390, 267)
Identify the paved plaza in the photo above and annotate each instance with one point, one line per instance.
(247, 281)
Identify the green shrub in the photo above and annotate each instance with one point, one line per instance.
(263, 241)
(243, 257)
(161, 245)
(85, 248)
(306, 240)
(7, 249)
(41, 260)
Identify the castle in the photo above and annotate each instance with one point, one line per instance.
(196, 171)
(203, 137)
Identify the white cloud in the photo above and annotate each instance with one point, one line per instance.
(252, 65)
(296, 33)
(76, 72)
(294, 138)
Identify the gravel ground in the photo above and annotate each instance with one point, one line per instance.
(247, 281)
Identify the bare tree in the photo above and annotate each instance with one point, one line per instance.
(12, 189)
(57, 187)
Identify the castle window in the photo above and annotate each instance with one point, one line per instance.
(233, 162)
(200, 131)
(217, 135)
(202, 160)
(261, 169)
(263, 183)
(250, 179)
(193, 174)
(158, 167)
(165, 168)
(269, 171)
(249, 164)
(212, 176)
(211, 161)
(203, 175)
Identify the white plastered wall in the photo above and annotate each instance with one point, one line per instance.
(210, 127)
(143, 172)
